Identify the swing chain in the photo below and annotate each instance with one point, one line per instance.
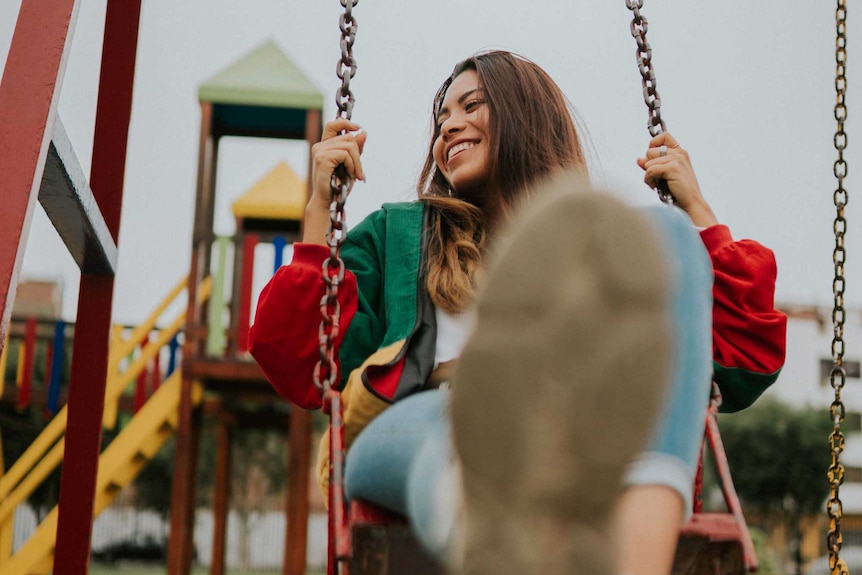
(655, 123)
(346, 68)
(838, 375)
(326, 370)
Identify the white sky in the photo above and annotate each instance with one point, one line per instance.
(747, 87)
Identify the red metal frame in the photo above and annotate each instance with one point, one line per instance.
(92, 332)
(29, 95)
(28, 101)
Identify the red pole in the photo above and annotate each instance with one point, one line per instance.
(27, 373)
(244, 321)
(92, 329)
(141, 382)
(157, 373)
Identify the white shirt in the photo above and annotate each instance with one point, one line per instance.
(453, 330)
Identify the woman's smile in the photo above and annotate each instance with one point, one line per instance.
(457, 148)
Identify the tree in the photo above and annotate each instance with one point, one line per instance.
(778, 456)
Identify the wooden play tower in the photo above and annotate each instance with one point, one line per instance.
(262, 95)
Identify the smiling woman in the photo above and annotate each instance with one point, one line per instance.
(538, 302)
(500, 124)
(461, 149)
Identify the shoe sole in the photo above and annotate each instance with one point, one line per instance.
(558, 388)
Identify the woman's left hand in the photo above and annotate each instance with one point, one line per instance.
(667, 160)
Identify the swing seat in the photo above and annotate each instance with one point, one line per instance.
(380, 542)
(711, 544)
(384, 545)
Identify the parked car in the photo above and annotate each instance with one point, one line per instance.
(144, 548)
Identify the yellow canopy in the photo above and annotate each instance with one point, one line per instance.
(280, 195)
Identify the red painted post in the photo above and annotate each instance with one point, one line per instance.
(244, 321)
(141, 382)
(156, 380)
(92, 330)
(27, 373)
(29, 93)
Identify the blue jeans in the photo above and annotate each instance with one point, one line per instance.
(404, 459)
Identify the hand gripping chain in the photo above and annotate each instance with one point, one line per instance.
(655, 124)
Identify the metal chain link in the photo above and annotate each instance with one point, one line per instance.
(655, 123)
(837, 376)
(326, 371)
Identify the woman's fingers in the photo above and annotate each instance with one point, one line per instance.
(336, 127)
(351, 146)
(664, 139)
(661, 146)
(336, 148)
(665, 160)
(656, 172)
(341, 143)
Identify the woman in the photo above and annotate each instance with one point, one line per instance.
(501, 128)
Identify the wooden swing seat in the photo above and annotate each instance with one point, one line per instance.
(709, 544)
(379, 542)
(384, 545)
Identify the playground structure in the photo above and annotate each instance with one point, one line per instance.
(262, 95)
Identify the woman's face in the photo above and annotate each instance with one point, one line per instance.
(462, 148)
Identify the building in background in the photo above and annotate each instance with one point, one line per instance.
(42, 299)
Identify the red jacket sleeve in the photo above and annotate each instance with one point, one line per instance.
(284, 339)
(749, 334)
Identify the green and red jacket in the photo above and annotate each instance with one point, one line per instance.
(387, 329)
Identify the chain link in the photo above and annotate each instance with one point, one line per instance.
(326, 370)
(838, 375)
(655, 123)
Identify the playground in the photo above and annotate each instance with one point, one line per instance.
(157, 166)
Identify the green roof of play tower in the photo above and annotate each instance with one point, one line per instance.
(264, 77)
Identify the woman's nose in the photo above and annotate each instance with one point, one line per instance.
(451, 125)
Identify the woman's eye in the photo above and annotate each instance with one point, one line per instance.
(472, 105)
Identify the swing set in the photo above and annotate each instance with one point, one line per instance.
(364, 539)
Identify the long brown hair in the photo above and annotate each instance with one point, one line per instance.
(532, 134)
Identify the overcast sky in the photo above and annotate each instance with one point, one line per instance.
(747, 87)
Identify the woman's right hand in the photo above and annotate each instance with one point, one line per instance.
(333, 150)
